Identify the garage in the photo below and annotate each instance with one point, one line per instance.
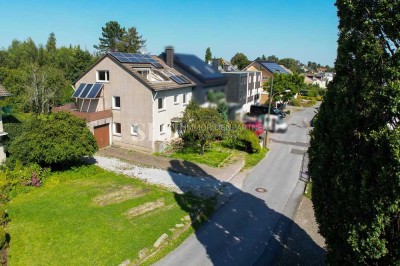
(102, 135)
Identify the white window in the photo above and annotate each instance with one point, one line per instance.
(160, 104)
(176, 99)
(102, 76)
(116, 102)
(134, 129)
(249, 79)
(162, 129)
(117, 129)
(184, 98)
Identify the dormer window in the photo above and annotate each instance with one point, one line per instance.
(102, 76)
(144, 73)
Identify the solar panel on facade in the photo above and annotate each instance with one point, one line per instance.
(94, 91)
(79, 90)
(86, 91)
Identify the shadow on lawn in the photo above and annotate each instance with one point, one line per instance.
(244, 231)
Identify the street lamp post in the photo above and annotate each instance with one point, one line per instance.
(269, 112)
(269, 109)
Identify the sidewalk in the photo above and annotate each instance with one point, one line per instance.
(171, 164)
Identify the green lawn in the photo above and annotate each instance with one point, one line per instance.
(214, 155)
(253, 159)
(79, 217)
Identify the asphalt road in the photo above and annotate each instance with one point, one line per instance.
(248, 230)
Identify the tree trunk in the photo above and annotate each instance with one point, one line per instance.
(202, 146)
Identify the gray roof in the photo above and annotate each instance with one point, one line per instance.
(4, 92)
(199, 69)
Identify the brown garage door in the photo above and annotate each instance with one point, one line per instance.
(102, 135)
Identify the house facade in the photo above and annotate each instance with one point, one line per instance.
(132, 100)
(244, 88)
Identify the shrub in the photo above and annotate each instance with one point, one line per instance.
(3, 237)
(55, 139)
(296, 102)
(250, 141)
(17, 179)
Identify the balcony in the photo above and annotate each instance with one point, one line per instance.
(89, 117)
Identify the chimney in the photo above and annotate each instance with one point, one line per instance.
(169, 56)
(215, 64)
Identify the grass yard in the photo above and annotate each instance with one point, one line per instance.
(88, 216)
(214, 155)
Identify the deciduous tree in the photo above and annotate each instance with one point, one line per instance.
(240, 60)
(201, 125)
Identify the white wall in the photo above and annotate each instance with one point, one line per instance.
(171, 110)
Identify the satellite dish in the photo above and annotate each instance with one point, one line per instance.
(143, 50)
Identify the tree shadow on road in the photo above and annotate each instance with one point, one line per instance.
(244, 231)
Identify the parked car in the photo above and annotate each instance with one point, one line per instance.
(254, 124)
(275, 124)
(263, 110)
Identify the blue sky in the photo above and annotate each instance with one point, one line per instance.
(301, 29)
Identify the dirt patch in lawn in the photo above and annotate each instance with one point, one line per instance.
(147, 207)
(119, 195)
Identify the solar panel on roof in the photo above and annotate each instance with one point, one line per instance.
(86, 91)
(94, 91)
(274, 67)
(177, 80)
(185, 79)
(78, 90)
(136, 59)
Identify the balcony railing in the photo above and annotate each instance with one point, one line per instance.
(89, 117)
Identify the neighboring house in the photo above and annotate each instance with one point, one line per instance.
(243, 88)
(268, 69)
(202, 74)
(287, 69)
(321, 79)
(3, 93)
(132, 100)
(226, 66)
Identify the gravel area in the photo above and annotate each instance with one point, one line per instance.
(177, 182)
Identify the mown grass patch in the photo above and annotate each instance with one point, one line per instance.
(63, 223)
(252, 159)
(214, 155)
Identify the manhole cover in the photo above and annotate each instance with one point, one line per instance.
(261, 190)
